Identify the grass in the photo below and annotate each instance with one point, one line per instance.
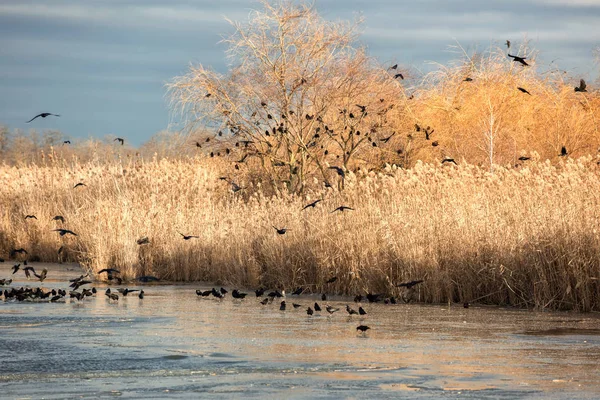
(525, 236)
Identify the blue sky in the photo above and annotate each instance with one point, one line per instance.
(102, 64)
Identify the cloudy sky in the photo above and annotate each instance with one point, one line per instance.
(102, 64)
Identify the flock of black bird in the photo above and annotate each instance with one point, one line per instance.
(268, 297)
(39, 294)
(77, 292)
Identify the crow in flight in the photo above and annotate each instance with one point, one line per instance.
(188, 237)
(519, 59)
(313, 204)
(342, 209)
(524, 90)
(43, 115)
(14, 252)
(64, 232)
(410, 284)
(120, 140)
(281, 231)
(582, 86)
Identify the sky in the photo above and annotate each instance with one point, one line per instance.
(102, 64)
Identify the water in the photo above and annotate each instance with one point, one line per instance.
(174, 344)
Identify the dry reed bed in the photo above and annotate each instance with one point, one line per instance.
(526, 236)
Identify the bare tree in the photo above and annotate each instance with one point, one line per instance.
(299, 96)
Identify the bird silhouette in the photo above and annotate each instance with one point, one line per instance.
(14, 252)
(141, 295)
(282, 306)
(236, 294)
(313, 204)
(43, 115)
(563, 152)
(259, 292)
(467, 79)
(524, 158)
(275, 293)
(331, 309)
(281, 231)
(362, 328)
(395, 66)
(524, 90)
(64, 232)
(15, 268)
(373, 298)
(342, 209)
(582, 86)
(188, 237)
(410, 284)
(317, 307)
(362, 311)
(120, 140)
(112, 296)
(30, 217)
(59, 218)
(508, 44)
(296, 305)
(339, 171)
(358, 298)
(350, 311)
(398, 76)
(309, 311)
(265, 301)
(449, 160)
(428, 132)
(79, 184)
(78, 283)
(235, 187)
(143, 240)
(109, 273)
(323, 297)
(519, 59)
(298, 291)
(126, 291)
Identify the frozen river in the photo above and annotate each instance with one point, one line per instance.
(174, 344)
